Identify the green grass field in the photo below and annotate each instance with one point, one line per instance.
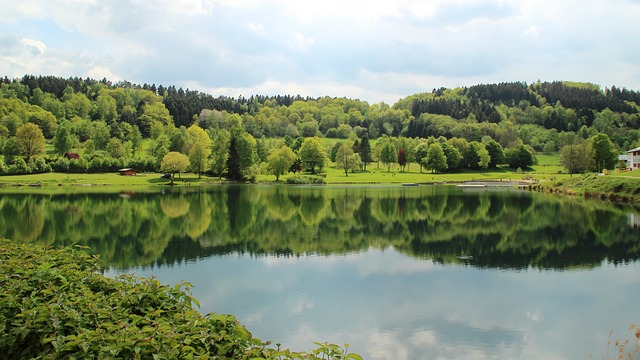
(379, 175)
(547, 169)
(634, 173)
(101, 179)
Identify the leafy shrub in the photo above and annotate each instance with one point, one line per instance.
(331, 133)
(78, 165)
(18, 167)
(146, 164)
(56, 304)
(39, 165)
(305, 179)
(60, 165)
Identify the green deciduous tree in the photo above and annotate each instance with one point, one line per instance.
(64, 140)
(420, 152)
(220, 152)
(476, 156)
(177, 140)
(347, 159)
(76, 104)
(574, 158)
(312, 154)
(160, 149)
(388, 154)
(334, 151)
(435, 159)
(200, 145)
(453, 156)
(248, 155)
(280, 160)
(603, 152)
(101, 133)
(135, 137)
(520, 157)
(105, 108)
(115, 149)
(29, 141)
(496, 153)
(44, 119)
(174, 162)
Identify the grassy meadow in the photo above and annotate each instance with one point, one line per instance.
(548, 168)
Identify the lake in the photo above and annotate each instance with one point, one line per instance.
(423, 272)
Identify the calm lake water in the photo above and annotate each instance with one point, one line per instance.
(397, 272)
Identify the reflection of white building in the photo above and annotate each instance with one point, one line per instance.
(632, 158)
(634, 220)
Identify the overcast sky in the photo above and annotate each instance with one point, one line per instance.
(370, 50)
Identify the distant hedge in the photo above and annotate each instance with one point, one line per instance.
(55, 304)
(305, 179)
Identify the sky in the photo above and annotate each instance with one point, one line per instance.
(370, 50)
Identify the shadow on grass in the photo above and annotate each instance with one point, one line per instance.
(160, 181)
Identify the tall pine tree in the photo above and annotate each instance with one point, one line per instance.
(233, 161)
(365, 151)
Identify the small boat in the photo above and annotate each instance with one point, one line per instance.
(409, 184)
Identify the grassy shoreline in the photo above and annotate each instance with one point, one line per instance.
(617, 187)
(614, 188)
(373, 175)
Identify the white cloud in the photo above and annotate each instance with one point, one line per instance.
(187, 7)
(30, 43)
(372, 50)
(99, 72)
(299, 41)
(533, 31)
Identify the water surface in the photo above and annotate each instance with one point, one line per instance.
(397, 272)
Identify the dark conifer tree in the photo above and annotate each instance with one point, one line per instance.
(365, 151)
(233, 161)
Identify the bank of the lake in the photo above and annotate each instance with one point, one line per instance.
(623, 187)
(373, 175)
(617, 187)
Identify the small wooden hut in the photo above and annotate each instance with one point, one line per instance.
(128, 172)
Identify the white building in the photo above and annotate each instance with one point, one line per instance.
(633, 161)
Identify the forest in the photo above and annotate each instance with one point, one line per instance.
(50, 123)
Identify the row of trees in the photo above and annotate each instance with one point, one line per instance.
(236, 154)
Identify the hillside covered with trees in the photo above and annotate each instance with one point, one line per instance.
(51, 123)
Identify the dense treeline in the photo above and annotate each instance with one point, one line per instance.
(106, 124)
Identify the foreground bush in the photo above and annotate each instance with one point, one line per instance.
(56, 304)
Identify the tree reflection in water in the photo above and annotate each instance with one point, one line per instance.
(497, 229)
